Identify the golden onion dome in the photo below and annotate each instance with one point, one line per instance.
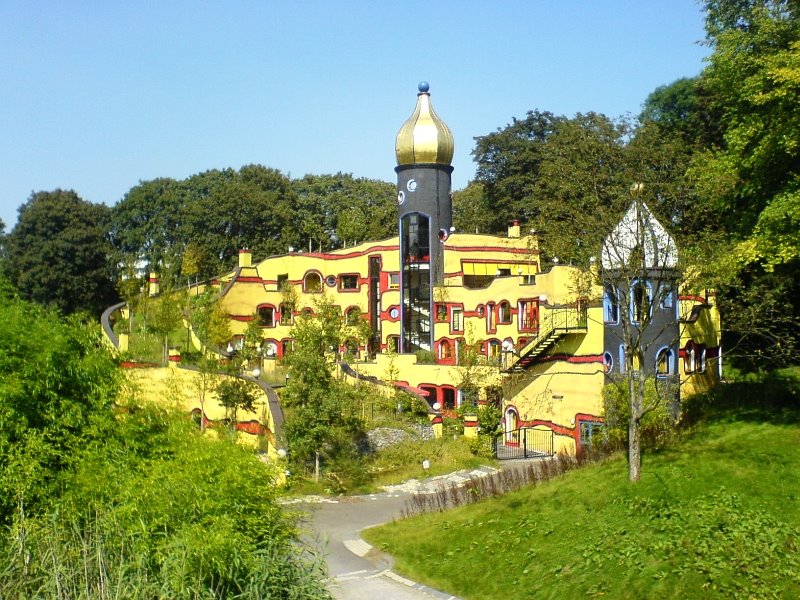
(424, 138)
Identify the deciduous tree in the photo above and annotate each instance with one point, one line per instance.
(58, 253)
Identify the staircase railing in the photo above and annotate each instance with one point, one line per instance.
(554, 321)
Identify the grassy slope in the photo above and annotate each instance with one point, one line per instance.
(718, 515)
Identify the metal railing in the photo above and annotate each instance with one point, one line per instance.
(525, 442)
(553, 322)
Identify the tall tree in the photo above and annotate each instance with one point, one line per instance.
(471, 212)
(211, 215)
(685, 108)
(752, 177)
(508, 162)
(58, 253)
(339, 210)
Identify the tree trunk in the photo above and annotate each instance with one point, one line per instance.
(634, 430)
(634, 451)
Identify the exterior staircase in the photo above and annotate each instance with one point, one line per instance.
(554, 325)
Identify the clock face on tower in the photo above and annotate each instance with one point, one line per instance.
(401, 197)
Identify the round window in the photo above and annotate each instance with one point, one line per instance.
(608, 362)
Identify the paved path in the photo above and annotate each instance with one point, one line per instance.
(358, 571)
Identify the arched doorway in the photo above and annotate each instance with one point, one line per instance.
(512, 426)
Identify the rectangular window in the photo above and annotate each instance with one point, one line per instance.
(592, 433)
(457, 319)
(528, 315)
(449, 398)
(283, 280)
(286, 314)
(348, 282)
(394, 280)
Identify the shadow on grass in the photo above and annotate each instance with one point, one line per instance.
(763, 398)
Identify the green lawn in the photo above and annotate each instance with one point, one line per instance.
(717, 515)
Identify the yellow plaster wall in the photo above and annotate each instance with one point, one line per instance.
(180, 389)
(705, 330)
(558, 390)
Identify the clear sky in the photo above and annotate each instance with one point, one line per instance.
(96, 96)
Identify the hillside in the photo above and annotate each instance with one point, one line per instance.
(716, 515)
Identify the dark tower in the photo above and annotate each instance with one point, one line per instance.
(424, 150)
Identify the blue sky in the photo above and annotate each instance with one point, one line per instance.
(96, 96)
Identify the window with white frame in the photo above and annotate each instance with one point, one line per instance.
(610, 305)
(504, 313)
(641, 301)
(266, 316)
(665, 359)
(457, 319)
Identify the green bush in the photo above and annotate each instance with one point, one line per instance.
(425, 357)
(103, 499)
(179, 517)
(657, 426)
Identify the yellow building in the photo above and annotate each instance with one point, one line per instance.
(544, 339)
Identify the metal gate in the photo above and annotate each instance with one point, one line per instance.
(526, 442)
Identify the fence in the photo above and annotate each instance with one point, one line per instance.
(523, 443)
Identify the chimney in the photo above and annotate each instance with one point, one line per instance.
(153, 283)
(245, 258)
(513, 229)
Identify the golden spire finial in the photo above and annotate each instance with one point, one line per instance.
(424, 138)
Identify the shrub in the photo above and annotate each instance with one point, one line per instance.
(180, 516)
(657, 426)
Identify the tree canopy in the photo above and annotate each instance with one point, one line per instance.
(201, 223)
(58, 253)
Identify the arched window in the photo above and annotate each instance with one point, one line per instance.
(504, 313)
(490, 316)
(266, 316)
(433, 396)
(510, 425)
(270, 349)
(665, 362)
(690, 358)
(287, 346)
(528, 315)
(445, 350)
(312, 283)
(494, 349)
(701, 359)
(352, 315)
(610, 304)
(441, 313)
(641, 301)
(307, 313)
